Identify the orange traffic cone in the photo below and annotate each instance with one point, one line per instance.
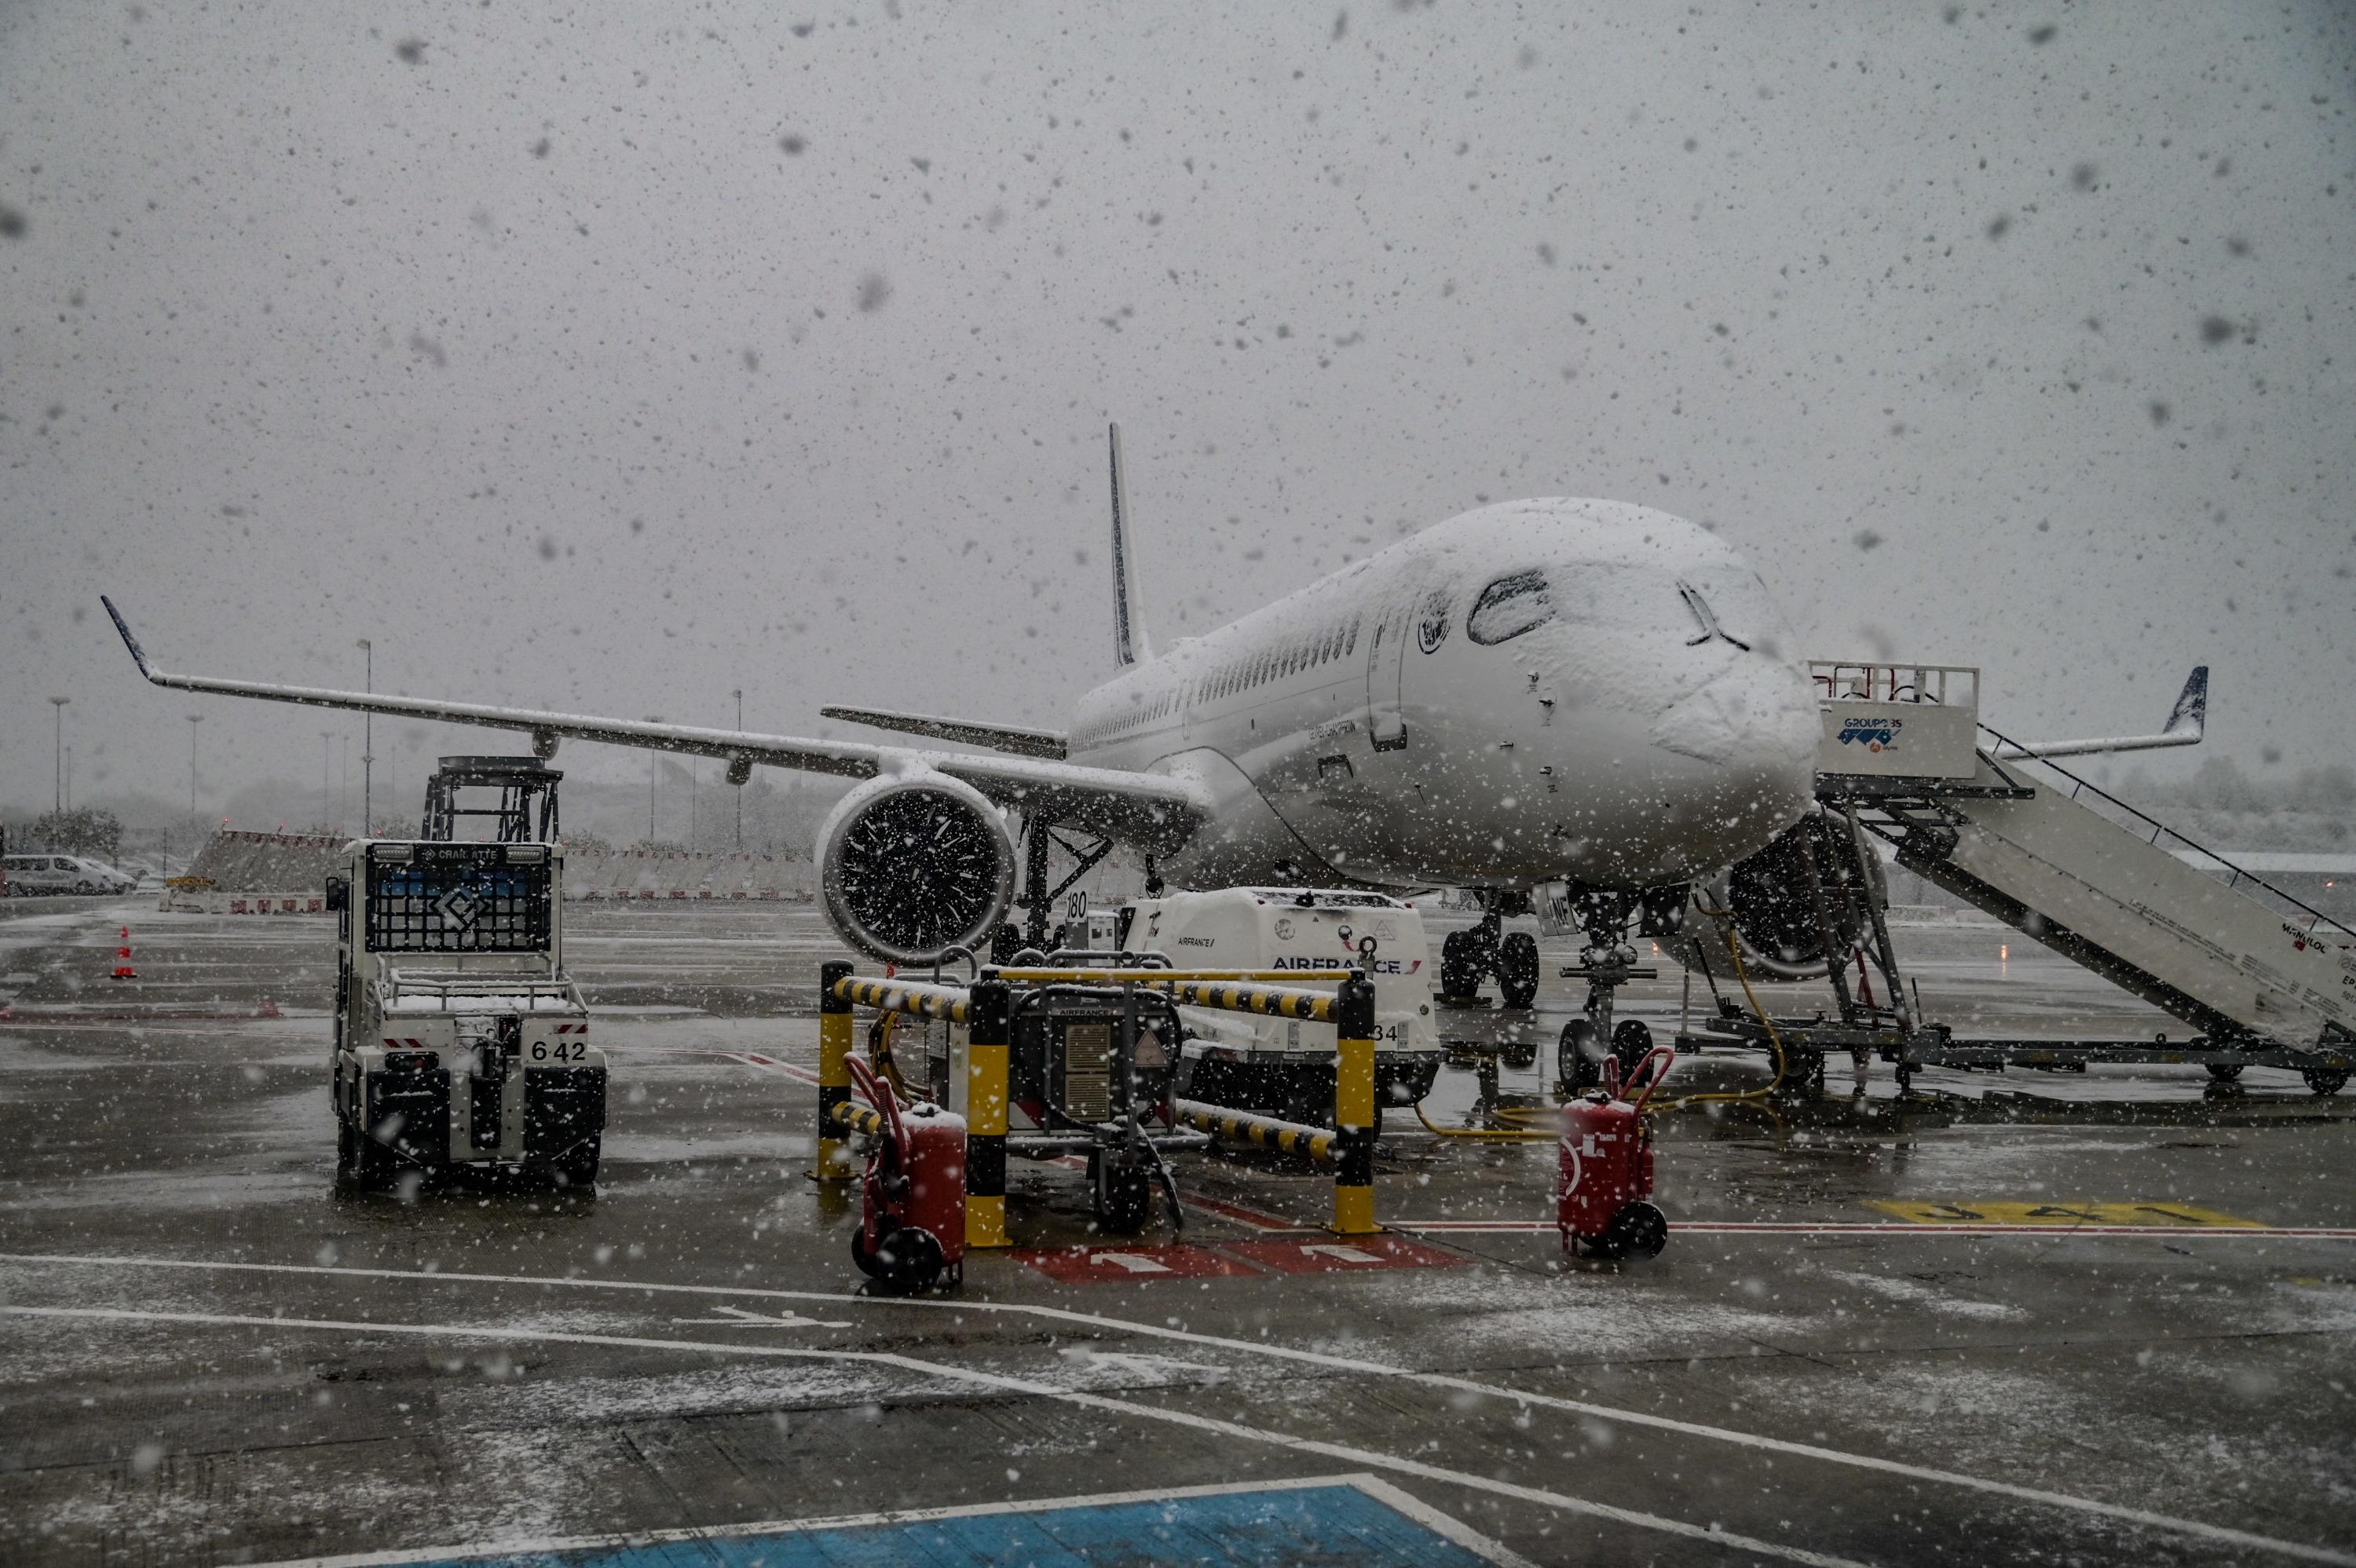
(123, 969)
(269, 1009)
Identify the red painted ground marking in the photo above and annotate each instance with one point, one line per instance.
(1344, 1255)
(1117, 1265)
(1251, 1216)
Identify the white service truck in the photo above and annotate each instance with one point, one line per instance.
(1285, 1066)
(460, 1040)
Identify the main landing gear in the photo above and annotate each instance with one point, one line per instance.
(1469, 957)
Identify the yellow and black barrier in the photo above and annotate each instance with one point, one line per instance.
(1231, 991)
(917, 997)
(1350, 1147)
(1265, 1132)
(988, 1098)
(986, 1010)
(1354, 1107)
(860, 1118)
(834, 1042)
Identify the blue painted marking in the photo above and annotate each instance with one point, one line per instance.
(1241, 1530)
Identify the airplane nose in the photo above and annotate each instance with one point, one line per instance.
(1755, 723)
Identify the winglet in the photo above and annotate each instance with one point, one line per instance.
(137, 657)
(2190, 714)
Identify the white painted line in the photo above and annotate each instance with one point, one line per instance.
(999, 1380)
(1431, 1519)
(1873, 1462)
(1887, 1228)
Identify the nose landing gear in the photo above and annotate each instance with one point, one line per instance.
(1608, 961)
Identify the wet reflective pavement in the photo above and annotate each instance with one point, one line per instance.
(2023, 1317)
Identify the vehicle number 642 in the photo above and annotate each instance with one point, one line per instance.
(559, 1050)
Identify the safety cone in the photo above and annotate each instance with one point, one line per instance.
(269, 1009)
(123, 969)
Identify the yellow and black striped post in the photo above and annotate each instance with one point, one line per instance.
(834, 1036)
(1354, 1108)
(986, 1101)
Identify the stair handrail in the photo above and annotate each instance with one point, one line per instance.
(2314, 915)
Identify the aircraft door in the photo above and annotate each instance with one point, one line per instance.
(1386, 643)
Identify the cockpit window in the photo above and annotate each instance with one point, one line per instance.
(1508, 607)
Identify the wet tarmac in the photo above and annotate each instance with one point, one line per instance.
(2026, 1317)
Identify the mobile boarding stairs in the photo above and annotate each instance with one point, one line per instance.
(2262, 978)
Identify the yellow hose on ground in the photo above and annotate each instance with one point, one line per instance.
(1476, 1132)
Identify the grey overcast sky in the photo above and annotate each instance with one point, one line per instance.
(609, 357)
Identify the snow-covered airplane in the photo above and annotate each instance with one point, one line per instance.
(1581, 690)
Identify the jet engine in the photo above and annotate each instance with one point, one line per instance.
(1771, 902)
(910, 865)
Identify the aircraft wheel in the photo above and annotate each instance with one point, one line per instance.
(2325, 1080)
(1460, 967)
(1518, 968)
(2224, 1072)
(1579, 1056)
(1631, 1039)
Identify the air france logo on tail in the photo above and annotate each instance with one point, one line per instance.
(1875, 734)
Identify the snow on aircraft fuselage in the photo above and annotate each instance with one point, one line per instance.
(1588, 690)
(1585, 691)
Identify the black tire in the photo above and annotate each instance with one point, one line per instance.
(347, 1151)
(1518, 968)
(1639, 1231)
(1520, 1056)
(84, 889)
(908, 1260)
(1121, 1196)
(2325, 1080)
(2224, 1072)
(1579, 1056)
(1461, 966)
(578, 1166)
(859, 1256)
(1630, 1040)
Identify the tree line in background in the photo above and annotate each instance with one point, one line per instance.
(84, 830)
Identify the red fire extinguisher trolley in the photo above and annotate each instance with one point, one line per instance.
(1604, 1197)
(912, 1225)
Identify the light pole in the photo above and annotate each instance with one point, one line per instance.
(58, 761)
(326, 751)
(653, 760)
(368, 736)
(738, 693)
(193, 719)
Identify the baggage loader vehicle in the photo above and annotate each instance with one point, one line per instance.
(460, 1041)
(1284, 1067)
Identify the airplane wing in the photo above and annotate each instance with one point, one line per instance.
(1154, 811)
(1009, 738)
(2186, 722)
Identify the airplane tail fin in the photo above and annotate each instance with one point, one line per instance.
(2187, 722)
(1129, 643)
(2190, 714)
